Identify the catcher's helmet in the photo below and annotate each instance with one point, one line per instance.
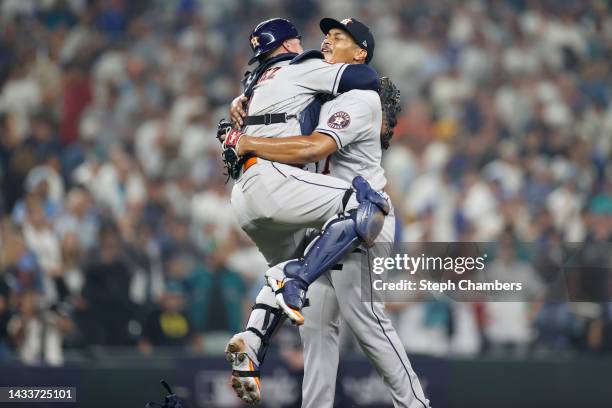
(270, 34)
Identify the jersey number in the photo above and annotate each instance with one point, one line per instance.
(269, 74)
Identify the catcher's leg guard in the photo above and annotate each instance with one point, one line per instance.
(370, 214)
(273, 318)
(266, 317)
(365, 193)
(340, 236)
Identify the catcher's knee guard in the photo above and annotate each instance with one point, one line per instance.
(266, 317)
(370, 214)
(340, 236)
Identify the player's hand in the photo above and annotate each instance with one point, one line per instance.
(237, 112)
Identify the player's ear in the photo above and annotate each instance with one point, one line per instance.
(292, 45)
(360, 55)
(286, 46)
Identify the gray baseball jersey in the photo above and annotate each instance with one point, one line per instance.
(353, 120)
(289, 88)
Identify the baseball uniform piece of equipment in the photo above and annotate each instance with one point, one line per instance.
(340, 236)
(390, 101)
(269, 34)
(357, 30)
(245, 371)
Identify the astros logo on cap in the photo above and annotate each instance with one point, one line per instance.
(255, 41)
(347, 21)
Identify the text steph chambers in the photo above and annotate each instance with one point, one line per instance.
(430, 286)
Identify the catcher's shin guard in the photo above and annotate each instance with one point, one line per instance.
(340, 236)
(266, 317)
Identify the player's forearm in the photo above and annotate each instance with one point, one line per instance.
(290, 150)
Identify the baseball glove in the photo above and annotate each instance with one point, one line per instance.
(231, 161)
(390, 101)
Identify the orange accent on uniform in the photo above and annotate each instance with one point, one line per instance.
(252, 367)
(298, 313)
(250, 161)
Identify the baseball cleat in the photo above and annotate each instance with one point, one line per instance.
(245, 373)
(293, 314)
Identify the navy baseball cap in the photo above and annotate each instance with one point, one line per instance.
(360, 33)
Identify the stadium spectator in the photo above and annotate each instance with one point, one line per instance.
(106, 291)
(169, 325)
(38, 332)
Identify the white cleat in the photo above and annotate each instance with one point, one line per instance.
(294, 315)
(245, 373)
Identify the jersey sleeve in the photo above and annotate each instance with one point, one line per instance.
(345, 120)
(359, 76)
(320, 76)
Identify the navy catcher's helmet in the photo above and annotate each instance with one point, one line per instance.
(270, 34)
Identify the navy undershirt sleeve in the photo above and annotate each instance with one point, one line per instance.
(358, 76)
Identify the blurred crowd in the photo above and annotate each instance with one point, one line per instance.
(116, 228)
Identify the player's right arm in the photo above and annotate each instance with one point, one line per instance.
(291, 150)
(341, 123)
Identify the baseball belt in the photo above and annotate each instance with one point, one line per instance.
(268, 119)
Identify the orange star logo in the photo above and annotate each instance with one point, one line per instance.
(254, 41)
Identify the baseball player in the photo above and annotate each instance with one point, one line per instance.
(348, 135)
(276, 202)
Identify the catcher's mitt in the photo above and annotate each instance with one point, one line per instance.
(231, 161)
(390, 101)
